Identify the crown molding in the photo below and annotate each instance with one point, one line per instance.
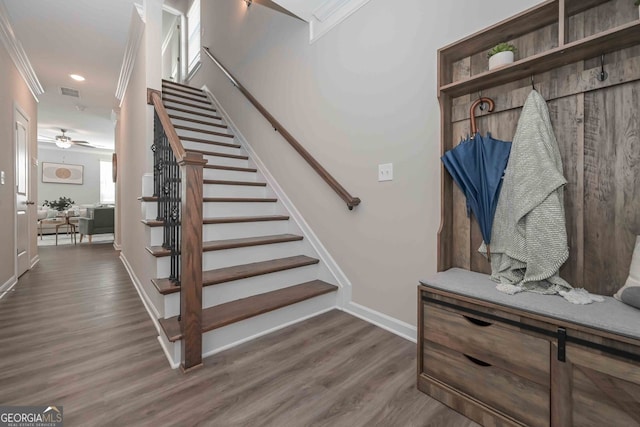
(17, 53)
(136, 29)
(330, 14)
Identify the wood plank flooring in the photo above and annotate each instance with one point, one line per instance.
(74, 333)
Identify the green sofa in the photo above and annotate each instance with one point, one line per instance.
(99, 221)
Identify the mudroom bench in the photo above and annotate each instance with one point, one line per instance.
(527, 359)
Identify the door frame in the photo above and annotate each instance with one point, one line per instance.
(182, 71)
(31, 262)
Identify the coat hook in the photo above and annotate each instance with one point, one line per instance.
(602, 75)
(482, 105)
(533, 86)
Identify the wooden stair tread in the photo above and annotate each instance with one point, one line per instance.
(230, 168)
(235, 311)
(184, 98)
(221, 199)
(240, 199)
(217, 245)
(152, 222)
(197, 113)
(206, 141)
(208, 132)
(214, 153)
(189, 104)
(183, 94)
(182, 85)
(225, 182)
(201, 122)
(237, 272)
(238, 219)
(225, 220)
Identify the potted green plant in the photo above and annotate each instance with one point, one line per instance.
(501, 55)
(62, 204)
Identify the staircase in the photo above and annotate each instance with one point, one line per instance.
(259, 272)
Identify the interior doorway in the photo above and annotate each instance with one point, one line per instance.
(23, 226)
(173, 26)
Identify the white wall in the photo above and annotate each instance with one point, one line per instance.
(89, 191)
(14, 91)
(363, 94)
(134, 137)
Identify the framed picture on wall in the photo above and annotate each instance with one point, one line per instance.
(62, 173)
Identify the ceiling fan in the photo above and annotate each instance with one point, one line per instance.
(64, 141)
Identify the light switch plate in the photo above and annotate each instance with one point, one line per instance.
(385, 172)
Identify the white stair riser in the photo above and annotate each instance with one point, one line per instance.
(192, 145)
(220, 190)
(234, 209)
(150, 210)
(236, 333)
(154, 236)
(243, 288)
(205, 135)
(209, 126)
(191, 116)
(230, 175)
(225, 161)
(197, 108)
(244, 229)
(231, 291)
(223, 209)
(238, 256)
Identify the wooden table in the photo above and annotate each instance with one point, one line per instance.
(61, 221)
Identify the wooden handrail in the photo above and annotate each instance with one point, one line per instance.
(333, 183)
(154, 97)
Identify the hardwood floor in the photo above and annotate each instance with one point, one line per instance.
(74, 333)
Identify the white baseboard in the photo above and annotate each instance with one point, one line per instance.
(35, 260)
(153, 312)
(172, 363)
(388, 323)
(267, 332)
(8, 285)
(344, 295)
(116, 246)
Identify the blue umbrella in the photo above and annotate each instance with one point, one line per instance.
(477, 166)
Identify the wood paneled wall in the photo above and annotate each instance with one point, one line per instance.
(597, 125)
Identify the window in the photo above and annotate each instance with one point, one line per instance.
(107, 187)
(193, 29)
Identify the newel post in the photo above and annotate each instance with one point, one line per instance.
(191, 167)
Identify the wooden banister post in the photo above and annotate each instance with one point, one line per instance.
(191, 167)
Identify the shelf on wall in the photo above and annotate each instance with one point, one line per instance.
(624, 36)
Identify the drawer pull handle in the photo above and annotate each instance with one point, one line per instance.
(476, 361)
(477, 321)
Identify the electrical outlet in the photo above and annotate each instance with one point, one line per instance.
(385, 172)
(1, 177)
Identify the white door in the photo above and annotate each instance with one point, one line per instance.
(22, 192)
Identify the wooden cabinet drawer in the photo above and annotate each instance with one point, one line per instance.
(518, 397)
(517, 352)
(605, 390)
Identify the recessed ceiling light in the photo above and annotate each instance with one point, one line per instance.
(77, 77)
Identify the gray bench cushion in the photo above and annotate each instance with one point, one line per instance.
(610, 315)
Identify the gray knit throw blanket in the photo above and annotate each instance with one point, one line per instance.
(529, 237)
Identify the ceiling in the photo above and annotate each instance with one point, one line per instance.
(62, 37)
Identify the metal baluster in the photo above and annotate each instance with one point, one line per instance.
(167, 188)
